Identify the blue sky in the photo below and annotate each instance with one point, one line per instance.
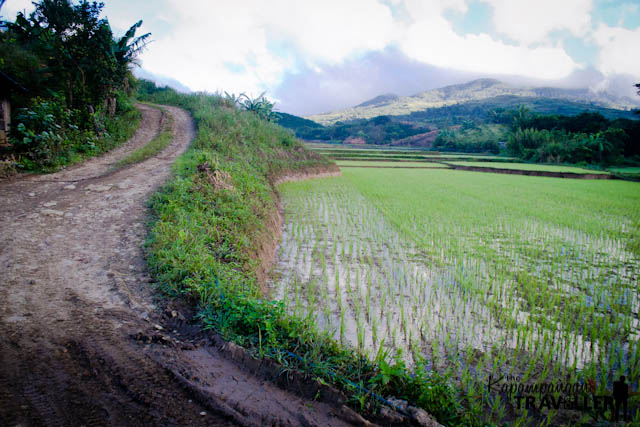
(313, 56)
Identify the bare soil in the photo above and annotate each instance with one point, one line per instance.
(83, 338)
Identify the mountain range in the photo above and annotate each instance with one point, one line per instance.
(476, 90)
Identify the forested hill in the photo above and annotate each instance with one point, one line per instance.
(294, 122)
(481, 90)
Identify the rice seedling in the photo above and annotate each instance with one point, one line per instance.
(479, 274)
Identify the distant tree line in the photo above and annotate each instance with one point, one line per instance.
(588, 137)
(72, 74)
(471, 137)
(457, 114)
(378, 130)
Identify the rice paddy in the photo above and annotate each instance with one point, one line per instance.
(530, 167)
(482, 275)
(388, 164)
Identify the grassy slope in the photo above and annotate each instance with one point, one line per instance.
(203, 243)
(210, 219)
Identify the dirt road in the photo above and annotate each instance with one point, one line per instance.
(83, 339)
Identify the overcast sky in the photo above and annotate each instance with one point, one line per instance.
(314, 56)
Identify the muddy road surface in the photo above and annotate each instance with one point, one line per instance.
(83, 338)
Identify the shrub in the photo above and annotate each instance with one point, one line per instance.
(39, 131)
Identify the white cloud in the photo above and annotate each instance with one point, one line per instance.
(12, 7)
(251, 45)
(617, 46)
(531, 21)
(329, 30)
(230, 45)
(431, 39)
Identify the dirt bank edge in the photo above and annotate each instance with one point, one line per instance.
(270, 239)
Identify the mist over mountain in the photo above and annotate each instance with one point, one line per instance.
(160, 80)
(475, 90)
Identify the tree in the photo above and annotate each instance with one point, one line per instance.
(79, 55)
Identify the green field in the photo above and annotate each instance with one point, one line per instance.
(626, 172)
(377, 154)
(529, 167)
(397, 154)
(478, 274)
(389, 164)
(368, 151)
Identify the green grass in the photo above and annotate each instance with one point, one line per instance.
(530, 167)
(480, 273)
(153, 147)
(392, 164)
(625, 169)
(632, 173)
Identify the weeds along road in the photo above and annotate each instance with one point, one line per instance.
(83, 340)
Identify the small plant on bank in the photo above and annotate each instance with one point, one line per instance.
(259, 105)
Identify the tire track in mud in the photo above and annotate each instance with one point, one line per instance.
(81, 335)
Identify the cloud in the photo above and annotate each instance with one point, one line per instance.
(319, 55)
(12, 7)
(529, 22)
(331, 30)
(617, 47)
(250, 45)
(431, 39)
(253, 46)
(160, 80)
(354, 81)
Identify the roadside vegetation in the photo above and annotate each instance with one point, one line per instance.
(69, 85)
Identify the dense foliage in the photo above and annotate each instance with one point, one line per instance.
(294, 122)
(588, 137)
(70, 77)
(471, 138)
